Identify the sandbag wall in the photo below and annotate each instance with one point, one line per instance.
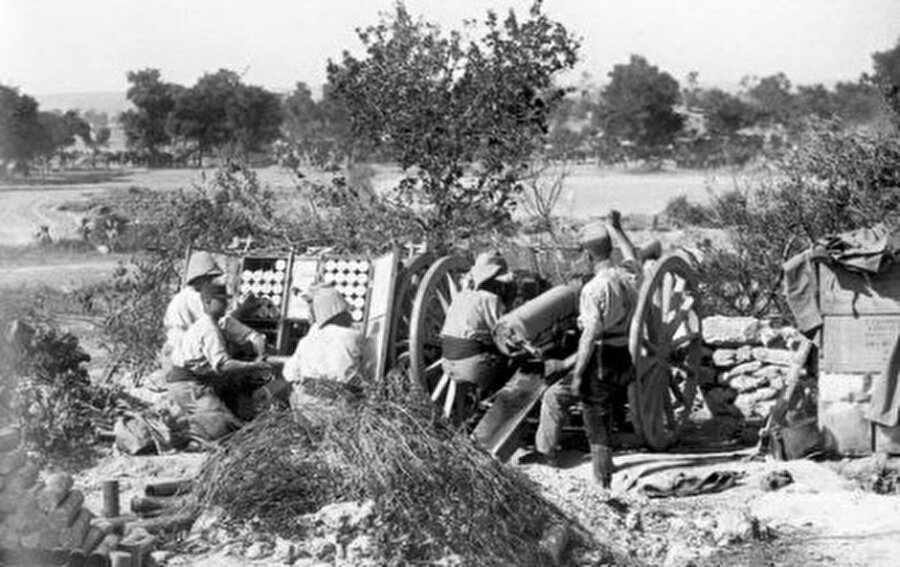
(746, 364)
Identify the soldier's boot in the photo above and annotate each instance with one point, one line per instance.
(601, 459)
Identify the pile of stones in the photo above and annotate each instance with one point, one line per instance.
(746, 364)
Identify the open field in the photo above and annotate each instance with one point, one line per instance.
(588, 192)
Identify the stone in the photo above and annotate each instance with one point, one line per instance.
(321, 548)
(160, 557)
(764, 394)
(764, 408)
(745, 368)
(257, 550)
(779, 356)
(634, 522)
(724, 357)
(680, 554)
(744, 354)
(732, 526)
(730, 331)
(744, 384)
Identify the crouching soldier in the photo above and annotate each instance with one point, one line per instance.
(186, 307)
(603, 364)
(204, 375)
(471, 359)
(328, 362)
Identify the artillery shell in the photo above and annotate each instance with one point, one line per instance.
(280, 265)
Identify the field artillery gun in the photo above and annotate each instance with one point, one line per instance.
(664, 341)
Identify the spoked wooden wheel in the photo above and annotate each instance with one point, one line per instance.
(401, 327)
(665, 343)
(438, 288)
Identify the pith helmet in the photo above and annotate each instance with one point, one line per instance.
(200, 264)
(490, 265)
(328, 303)
(594, 234)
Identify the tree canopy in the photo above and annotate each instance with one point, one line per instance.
(637, 107)
(461, 115)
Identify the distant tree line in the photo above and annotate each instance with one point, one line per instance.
(29, 135)
(642, 112)
(219, 112)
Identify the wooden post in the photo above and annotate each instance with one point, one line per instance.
(110, 498)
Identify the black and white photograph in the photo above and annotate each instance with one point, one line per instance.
(539, 283)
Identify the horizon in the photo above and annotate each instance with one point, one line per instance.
(276, 44)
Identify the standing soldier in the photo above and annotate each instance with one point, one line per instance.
(603, 364)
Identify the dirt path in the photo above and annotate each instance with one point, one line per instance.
(821, 518)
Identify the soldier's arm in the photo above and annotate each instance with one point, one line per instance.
(620, 239)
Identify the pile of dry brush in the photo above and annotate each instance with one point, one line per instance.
(435, 492)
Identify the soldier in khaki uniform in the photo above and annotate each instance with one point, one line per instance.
(603, 365)
(203, 372)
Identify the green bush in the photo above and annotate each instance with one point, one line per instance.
(48, 391)
(832, 182)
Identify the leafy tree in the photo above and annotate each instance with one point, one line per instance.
(219, 111)
(59, 130)
(887, 75)
(318, 130)
(146, 125)
(771, 97)
(638, 107)
(20, 130)
(726, 114)
(461, 116)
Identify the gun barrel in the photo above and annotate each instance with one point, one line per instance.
(538, 324)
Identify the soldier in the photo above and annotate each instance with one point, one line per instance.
(328, 361)
(203, 373)
(603, 364)
(471, 359)
(186, 307)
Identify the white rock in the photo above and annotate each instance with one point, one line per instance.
(745, 368)
(747, 383)
(724, 357)
(732, 526)
(257, 550)
(730, 331)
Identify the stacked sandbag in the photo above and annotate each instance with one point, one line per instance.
(746, 365)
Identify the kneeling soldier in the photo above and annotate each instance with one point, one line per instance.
(203, 372)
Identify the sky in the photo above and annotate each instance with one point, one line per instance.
(66, 46)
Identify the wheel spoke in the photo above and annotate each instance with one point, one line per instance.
(445, 303)
(448, 401)
(439, 389)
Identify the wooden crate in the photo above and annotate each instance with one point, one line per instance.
(861, 324)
